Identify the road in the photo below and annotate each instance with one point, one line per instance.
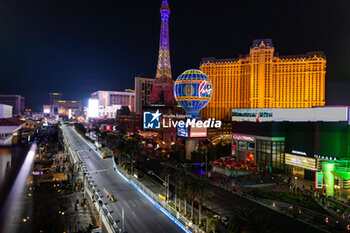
(140, 214)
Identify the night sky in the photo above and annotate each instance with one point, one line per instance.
(78, 47)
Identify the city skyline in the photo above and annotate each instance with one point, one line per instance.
(244, 128)
(73, 53)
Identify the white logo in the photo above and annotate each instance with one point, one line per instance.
(151, 120)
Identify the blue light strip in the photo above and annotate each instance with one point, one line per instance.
(88, 144)
(126, 179)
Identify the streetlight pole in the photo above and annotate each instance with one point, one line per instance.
(175, 197)
(168, 188)
(84, 184)
(123, 219)
(206, 164)
(100, 216)
(132, 163)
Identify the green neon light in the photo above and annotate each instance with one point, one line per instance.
(328, 176)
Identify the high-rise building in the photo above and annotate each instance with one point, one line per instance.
(262, 79)
(16, 101)
(111, 101)
(54, 97)
(143, 89)
(163, 87)
(67, 107)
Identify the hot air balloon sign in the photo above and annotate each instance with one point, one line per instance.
(193, 91)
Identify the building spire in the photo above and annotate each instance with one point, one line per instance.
(165, 6)
(163, 85)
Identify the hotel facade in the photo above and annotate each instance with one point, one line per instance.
(262, 79)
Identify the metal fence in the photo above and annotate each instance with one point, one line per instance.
(105, 215)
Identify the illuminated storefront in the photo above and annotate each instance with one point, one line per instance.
(280, 136)
(336, 177)
(298, 163)
(259, 150)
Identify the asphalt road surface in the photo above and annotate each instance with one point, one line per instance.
(140, 214)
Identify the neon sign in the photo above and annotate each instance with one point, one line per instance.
(205, 88)
(243, 138)
(298, 152)
(324, 157)
(319, 180)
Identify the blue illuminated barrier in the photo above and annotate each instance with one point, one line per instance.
(169, 211)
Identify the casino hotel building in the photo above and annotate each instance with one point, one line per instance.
(263, 79)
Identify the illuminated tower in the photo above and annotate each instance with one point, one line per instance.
(163, 91)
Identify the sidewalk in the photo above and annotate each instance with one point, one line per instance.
(80, 219)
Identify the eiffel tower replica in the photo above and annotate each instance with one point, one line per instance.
(163, 86)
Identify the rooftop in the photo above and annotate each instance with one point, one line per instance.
(12, 121)
(267, 42)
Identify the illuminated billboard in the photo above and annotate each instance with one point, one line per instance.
(92, 108)
(253, 115)
(329, 114)
(182, 131)
(198, 132)
(319, 180)
(47, 109)
(301, 161)
(243, 138)
(191, 132)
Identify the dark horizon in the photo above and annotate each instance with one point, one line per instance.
(80, 47)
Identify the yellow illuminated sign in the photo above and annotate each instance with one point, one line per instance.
(301, 161)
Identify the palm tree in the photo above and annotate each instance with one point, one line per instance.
(207, 215)
(210, 220)
(165, 173)
(180, 188)
(212, 223)
(179, 193)
(203, 190)
(200, 189)
(132, 147)
(191, 192)
(118, 145)
(185, 196)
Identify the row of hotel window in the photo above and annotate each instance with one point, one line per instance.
(275, 71)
